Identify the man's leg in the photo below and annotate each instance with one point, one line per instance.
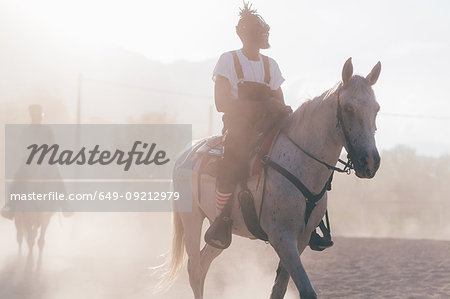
(221, 201)
(219, 233)
(232, 169)
(6, 212)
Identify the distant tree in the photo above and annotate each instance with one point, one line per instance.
(153, 118)
(409, 196)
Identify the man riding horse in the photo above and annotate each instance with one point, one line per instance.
(247, 90)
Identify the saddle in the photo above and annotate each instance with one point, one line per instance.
(212, 150)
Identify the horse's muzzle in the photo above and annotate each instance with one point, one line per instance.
(366, 165)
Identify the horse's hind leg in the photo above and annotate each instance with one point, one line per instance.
(192, 223)
(281, 282)
(41, 240)
(207, 255)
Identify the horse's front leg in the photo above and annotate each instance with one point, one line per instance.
(19, 228)
(281, 282)
(286, 246)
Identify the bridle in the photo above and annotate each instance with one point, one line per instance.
(348, 166)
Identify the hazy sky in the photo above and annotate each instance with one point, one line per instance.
(195, 30)
(310, 40)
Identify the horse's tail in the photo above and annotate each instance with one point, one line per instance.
(176, 261)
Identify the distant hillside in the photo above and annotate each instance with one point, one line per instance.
(118, 85)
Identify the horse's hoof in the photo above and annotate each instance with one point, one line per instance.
(311, 295)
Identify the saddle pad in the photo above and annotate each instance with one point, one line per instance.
(212, 146)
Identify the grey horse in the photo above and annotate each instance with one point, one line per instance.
(311, 138)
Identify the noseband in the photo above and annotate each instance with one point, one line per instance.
(340, 123)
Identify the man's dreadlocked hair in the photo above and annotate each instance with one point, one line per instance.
(247, 10)
(246, 15)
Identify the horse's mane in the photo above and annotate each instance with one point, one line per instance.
(311, 104)
(356, 85)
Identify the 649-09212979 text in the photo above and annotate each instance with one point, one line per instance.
(96, 195)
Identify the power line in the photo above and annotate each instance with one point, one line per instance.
(416, 116)
(149, 89)
(167, 91)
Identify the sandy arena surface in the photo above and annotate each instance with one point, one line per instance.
(94, 265)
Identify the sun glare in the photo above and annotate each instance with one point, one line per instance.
(155, 28)
(75, 20)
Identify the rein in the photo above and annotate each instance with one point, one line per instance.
(348, 166)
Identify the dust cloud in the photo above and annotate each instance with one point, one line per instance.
(110, 255)
(386, 230)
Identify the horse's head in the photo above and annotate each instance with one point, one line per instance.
(357, 111)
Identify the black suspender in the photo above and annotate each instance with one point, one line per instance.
(266, 69)
(240, 74)
(237, 66)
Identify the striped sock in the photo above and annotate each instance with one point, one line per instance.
(221, 200)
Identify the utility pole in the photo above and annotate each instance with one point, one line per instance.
(80, 81)
(210, 124)
(78, 116)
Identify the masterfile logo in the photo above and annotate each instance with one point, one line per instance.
(95, 167)
(68, 157)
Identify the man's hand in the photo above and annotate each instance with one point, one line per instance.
(277, 106)
(224, 103)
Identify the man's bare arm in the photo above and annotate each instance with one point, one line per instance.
(222, 94)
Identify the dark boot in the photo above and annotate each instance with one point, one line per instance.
(319, 243)
(218, 234)
(6, 212)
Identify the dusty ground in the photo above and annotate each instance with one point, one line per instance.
(111, 258)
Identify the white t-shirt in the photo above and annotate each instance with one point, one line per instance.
(252, 70)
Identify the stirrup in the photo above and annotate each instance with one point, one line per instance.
(219, 234)
(318, 243)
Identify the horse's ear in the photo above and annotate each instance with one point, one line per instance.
(347, 71)
(372, 77)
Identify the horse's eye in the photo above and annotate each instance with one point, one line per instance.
(349, 108)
